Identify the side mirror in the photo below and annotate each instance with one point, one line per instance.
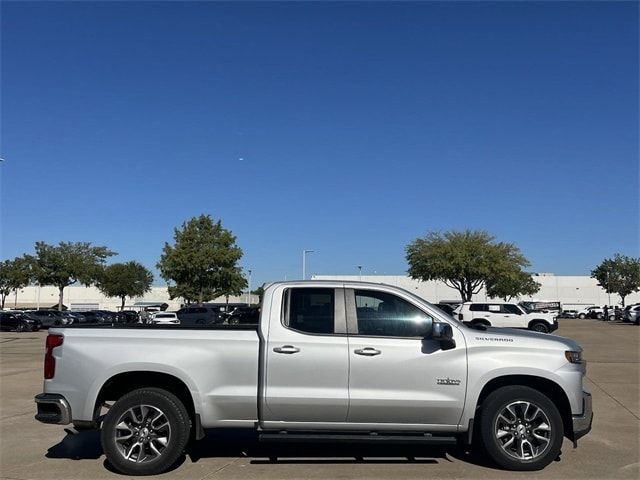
(443, 332)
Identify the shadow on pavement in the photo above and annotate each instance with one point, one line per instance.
(241, 443)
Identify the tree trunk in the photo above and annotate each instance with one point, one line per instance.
(200, 295)
(622, 300)
(2, 298)
(60, 298)
(122, 306)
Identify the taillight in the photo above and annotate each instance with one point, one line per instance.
(460, 316)
(53, 341)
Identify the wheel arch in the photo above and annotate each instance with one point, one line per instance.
(122, 383)
(549, 388)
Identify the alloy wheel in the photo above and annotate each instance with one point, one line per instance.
(523, 430)
(142, 433)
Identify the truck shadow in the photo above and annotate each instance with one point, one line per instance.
(240, 443)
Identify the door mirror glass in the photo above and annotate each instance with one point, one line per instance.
(442, 331)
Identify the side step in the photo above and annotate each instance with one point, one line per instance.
(286, 437)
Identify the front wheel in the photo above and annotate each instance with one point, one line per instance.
(145, 432)
(521, 428)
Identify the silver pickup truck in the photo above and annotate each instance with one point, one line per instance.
(328, 362)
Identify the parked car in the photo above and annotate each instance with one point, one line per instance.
(506, 315)
(164, 318)
(248, 314)
(19, 322)
(632, 313)
(200, 315)
(591, 312)
(569, 314)
(49, 318)
(93, 316)
(329, 361)
(446, 307)
(130, 316)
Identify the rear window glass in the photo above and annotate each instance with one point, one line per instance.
(310, 310)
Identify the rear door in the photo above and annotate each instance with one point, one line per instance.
(307, 364)
(397, 377)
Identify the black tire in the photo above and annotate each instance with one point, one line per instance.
(541, 327)
(234, 321)
(482, 322)
(21, 328)
(495, 404)
(582, 316)
(178, 436)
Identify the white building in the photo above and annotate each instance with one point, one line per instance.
(574, 292)
(90, 298)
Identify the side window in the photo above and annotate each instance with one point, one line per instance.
(494, 308)
(386, 315)
(512, 309)
(200, 310)
(310, 310)
(478, 307)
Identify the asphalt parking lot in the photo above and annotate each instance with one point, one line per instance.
(30, 450)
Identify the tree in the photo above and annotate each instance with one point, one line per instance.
(14, 275)
(122, 280)
(67, 263)
(259, 292)
(464, 260)
(202, 262)
(620, 274)
(512, 284)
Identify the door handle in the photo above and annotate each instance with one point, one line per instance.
(286, 349)
(367, 352)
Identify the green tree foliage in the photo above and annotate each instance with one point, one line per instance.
(512, 284)
(14, 275)
(620, 274)
(202, 263)
(259, 292)
(67, 263)
(464, 260)
(122, 280)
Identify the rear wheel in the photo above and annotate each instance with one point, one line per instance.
(582, 316)
(145, 432)
(521, 428)
(539, 327)
(21, 328)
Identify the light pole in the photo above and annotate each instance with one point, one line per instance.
(360, 272)
(249, 295)
(304, 263)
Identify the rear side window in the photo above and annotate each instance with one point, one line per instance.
(310, 310)
(478, 307)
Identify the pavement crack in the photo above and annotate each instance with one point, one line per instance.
(612, 397)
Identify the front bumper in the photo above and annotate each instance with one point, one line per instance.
(554, 325)
(53, 408)
(582, 423)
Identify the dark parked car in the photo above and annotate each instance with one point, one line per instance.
(445, 307)
(19, 322)
(48, 318)
(130, 316)
(569, 314)
(247, 314)
(200, 315)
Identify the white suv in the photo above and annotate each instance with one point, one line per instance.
(505, 315)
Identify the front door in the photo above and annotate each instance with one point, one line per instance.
(397, 377)
(307, 364)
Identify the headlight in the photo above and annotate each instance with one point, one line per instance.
(573, 357)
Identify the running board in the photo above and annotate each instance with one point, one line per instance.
(285, 437)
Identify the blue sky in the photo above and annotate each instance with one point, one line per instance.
(347, 128)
